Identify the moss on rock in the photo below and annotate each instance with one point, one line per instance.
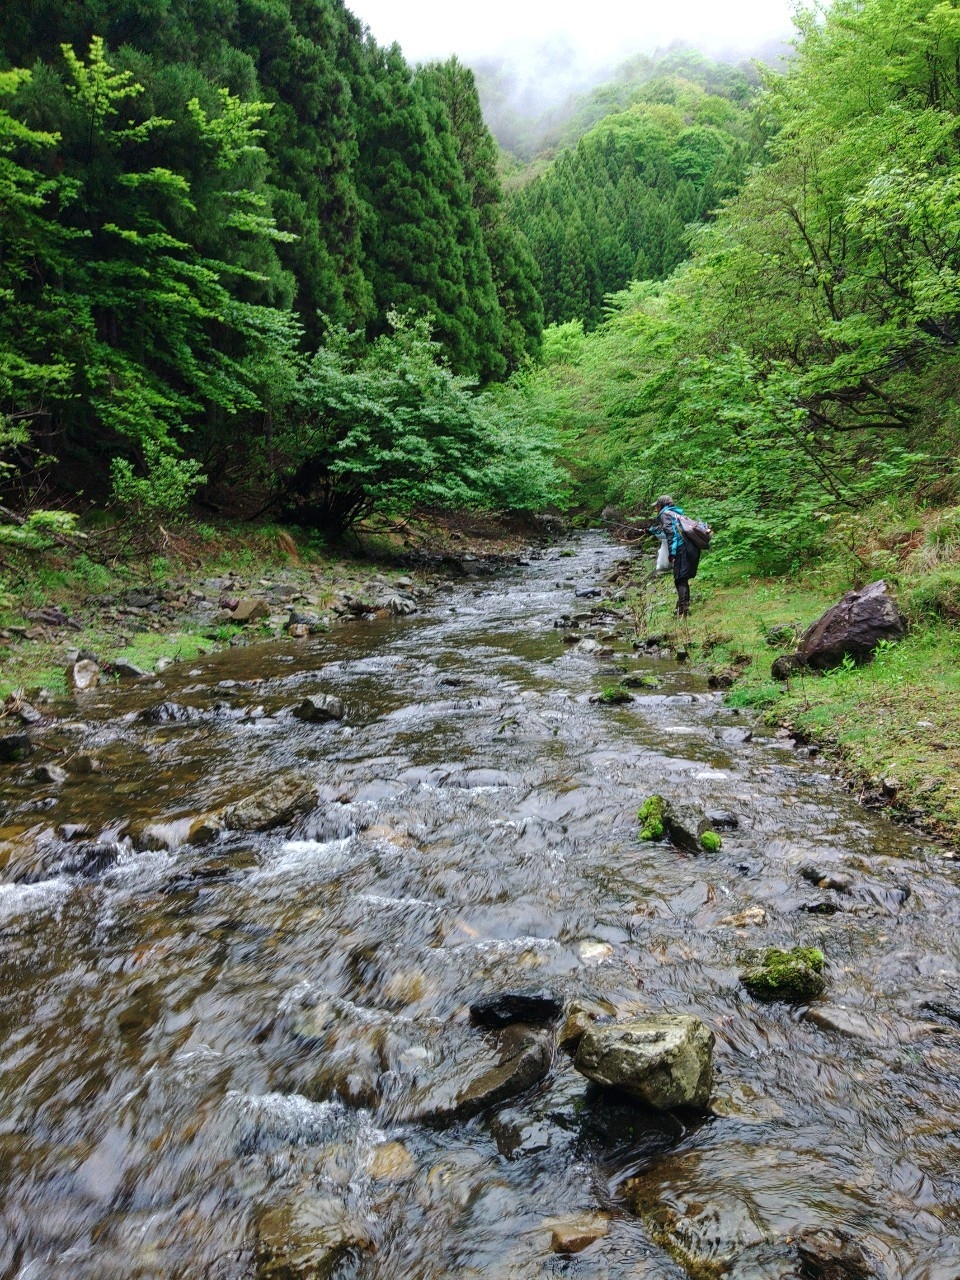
(652, 816)
(710, 841)
(786, 975)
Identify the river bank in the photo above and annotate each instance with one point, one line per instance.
(174, 596)
(892, 725)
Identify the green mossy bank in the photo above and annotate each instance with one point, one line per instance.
(892, 724)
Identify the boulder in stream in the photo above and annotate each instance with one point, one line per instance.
(167, 713)
(794, 975)
(15, 746)
(319, 708)
(574, 1234)
(50, 773)
(854, 626)
(524, 1056)
(282, 800)
(681, 824)
(664, 1059)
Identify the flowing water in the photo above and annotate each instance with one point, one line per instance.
(194, 1039)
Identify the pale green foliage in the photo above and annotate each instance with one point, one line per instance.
(35, 534)
(804, 363)
(390, 426)
(166, 488)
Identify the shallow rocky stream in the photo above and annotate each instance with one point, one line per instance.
(214, 1053)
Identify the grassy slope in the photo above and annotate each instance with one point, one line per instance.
(894, 721)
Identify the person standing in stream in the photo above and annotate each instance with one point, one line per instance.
(684, 556)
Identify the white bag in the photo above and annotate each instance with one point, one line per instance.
(663, 557)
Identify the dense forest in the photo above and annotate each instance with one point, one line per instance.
(243, 241)
(658, 150)
(800, 369)
(250, 257)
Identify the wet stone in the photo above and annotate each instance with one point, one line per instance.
(665, 1060)
(573, 1235)
(718, 820)
(307, 1238)
(90, 860)
(683, 826)
(824, 878)
(319, 708)
(84, 764)
(504, 1007)
(734, 737)
(844, 1022)
(168, 713)
(274, 805)
(518, 1135)
(391, 1162)
(524, 1056)
(50, 773)
(786, 975)
(581, 1016)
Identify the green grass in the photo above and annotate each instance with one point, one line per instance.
(872, 717)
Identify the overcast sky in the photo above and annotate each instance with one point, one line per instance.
(599, 30)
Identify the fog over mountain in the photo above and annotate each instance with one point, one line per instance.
(532, 57)
(603, 32)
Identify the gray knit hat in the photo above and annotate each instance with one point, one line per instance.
(664, 501)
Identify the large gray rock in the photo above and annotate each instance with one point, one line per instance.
(664, 1059)
(854, 626)
(278, 803)
(83, 674)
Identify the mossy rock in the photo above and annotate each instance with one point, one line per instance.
(710, 841)
(786, 975)
(614, 695)
(652, 816)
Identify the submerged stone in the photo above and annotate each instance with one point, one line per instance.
(665, 1060)
(525, 1054)
(391, 1162)
(573, 1235)
(306, 1238)
(786, 975)
(503, 1007)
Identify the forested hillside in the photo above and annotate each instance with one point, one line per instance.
(803, 365)
(199, 198)
(660, 149)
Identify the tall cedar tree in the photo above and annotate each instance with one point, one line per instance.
(515, 273)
